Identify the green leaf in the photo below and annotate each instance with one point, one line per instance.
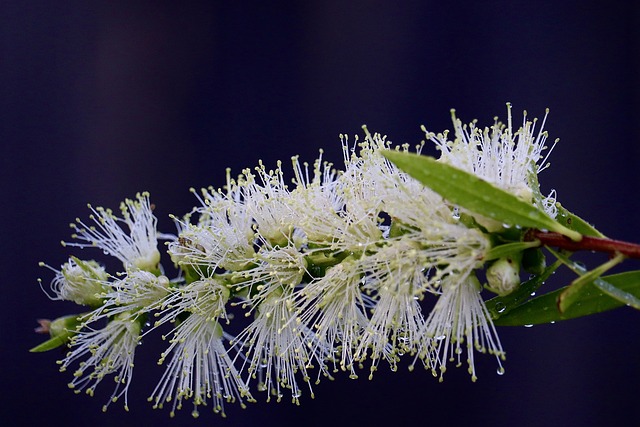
(501, 306)
(617, 293)
(604, 286)
(477, 195)
(61, 330)
(50, 344)
(573, 293)
(507, 249)
(543, 309)
(574, 222)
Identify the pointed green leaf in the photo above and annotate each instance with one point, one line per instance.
(61, 330)
(507, 249)
(606, 287)
(573, 293)
(617, 293)
(543, 309)
(477, 195)
(50, 344)
(574, 222)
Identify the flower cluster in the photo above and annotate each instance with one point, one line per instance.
(332, 270)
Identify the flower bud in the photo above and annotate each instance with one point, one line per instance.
(79, 281)
(60, 330)
(64, 326)
(503, 276)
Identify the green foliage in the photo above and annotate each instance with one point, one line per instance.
(588, 294)
(606, 287)
(573, 293)
(543, 309)
(574, 222)
(50, 344)
(509, 249)
(61, 330)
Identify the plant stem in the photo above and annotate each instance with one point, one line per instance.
(631, 250)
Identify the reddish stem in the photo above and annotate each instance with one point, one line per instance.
(631, 250)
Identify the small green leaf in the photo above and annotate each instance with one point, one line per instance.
(479, 196)
(50, 344)
(507, 249)
(573, 292)
(61, 330)
(617, 293)
(574, 222)
(543, 309)
(604, 286)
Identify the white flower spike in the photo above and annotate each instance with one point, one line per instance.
(325, 272)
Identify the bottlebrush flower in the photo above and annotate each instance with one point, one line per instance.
(331, 269)
(199, 367)
(318, 201)
(334, 308)
(275, 348)
(510, 160)
(272, 269)
(135, 245)
(104, 352)
(223, 236)
(138, 292)
(82, 282)
(459, 321)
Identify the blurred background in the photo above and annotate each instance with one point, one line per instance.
(100, 100)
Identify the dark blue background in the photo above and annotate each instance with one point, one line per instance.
(101, 100)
